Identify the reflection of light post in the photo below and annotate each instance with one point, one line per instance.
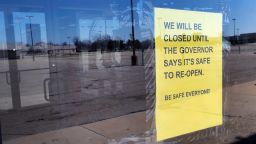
(134, 57)
(31, 35)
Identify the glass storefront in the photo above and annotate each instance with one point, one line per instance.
(69, 63)
(66, 63)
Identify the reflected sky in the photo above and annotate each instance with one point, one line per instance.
(61, 20)
(94, 28)
(22, 30)
(243, 11)
(88, 20)
(2, 32)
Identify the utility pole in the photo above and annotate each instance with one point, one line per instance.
(31, 35)
(134, 57)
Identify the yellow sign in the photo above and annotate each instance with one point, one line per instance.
(188, 47)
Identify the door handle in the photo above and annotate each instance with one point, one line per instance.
(46, 82)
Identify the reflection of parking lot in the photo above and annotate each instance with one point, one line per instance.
(241, 66)
(81, 89)
(93, 86)
(75, 69)
(239, 100)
